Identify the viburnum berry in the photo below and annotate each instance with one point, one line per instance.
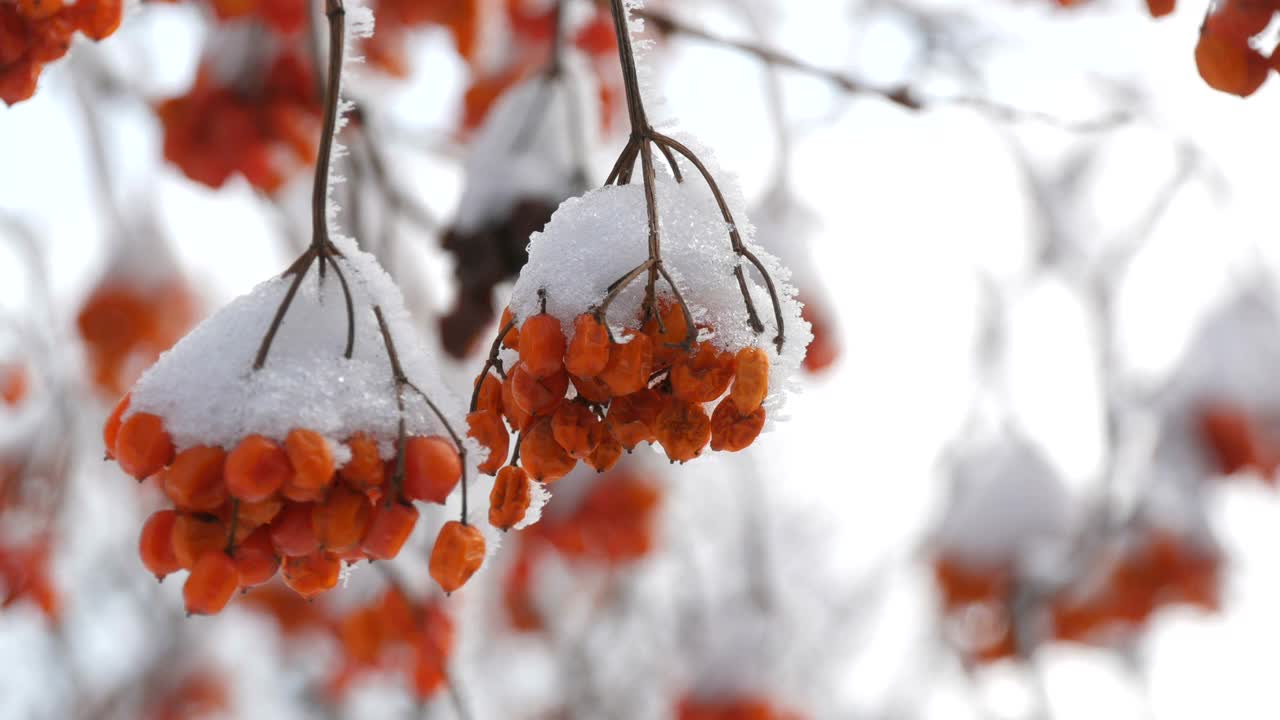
(487, 429)
(142, 446)
(456, 555)
(194, 534)
(155, 546)
(33, 34)
(588, 351)
(255, 558)
(537, 395)
(212, 582)
(1228, 63)
(577, 429)
(733, 430)
(389, 529)
(432, 469)
(293, 532)
(310, 575)
(341, 520)
(509, 500)
(541, 456)
(195, 479)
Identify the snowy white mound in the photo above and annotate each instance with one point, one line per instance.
(208, 393)
(594, 240)
(1011, 506)
(532, 144)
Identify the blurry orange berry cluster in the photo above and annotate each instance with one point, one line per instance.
(1157, 568)
(266, 130)
(240, 516)
(126, 324)
(34, 33)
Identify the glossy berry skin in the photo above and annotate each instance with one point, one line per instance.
(456, 555)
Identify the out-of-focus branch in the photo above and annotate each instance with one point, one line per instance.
(901, 95)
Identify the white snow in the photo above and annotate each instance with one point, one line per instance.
(531, 144)
(598, 238)
(538, 497)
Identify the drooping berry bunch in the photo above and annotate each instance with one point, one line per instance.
(571, 388)
(263, 125)
(300, 466)
(240, 516)
(1157, 568)
(643, 388)
(34, 33)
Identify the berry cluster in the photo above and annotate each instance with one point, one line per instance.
(1156, 568)
(266, 134)
(394, 634)
(240, 516)
(125, 325)
(613, 526)
(653, 387)
(34, 33)
(1224, 56)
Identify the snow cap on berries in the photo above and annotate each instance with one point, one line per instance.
(598, 238)
(208, 393)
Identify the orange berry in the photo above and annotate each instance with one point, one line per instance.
(588, 351)
(195, 534)
(341, 520)
(143, 447)
(1160, 8)
(732, 429)
(292, 532)
(542, 345)
(255, 558)
(456, 555)
(541, 456)
(605, 455)
(432, 469)
(155, 545)
(629, 367)
(537, 396)
(683, 429)
(310, 575)
(509, 499)
(516, 417)
(490, 395)
(212, 582)
(512, 340)
(577, 429)
(310, 457)
(1230, 65)
(364, 471)
(389, 529)
(702, 376)
(668, 344)
(591, 389)
(111, 428)
(194, 480)
(256, 469)
(260, 513)
(750, 379)
(487, 428)
(632, 419)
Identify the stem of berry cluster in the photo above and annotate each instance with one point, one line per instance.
(322, 249)
(640, 146)
(402, 381)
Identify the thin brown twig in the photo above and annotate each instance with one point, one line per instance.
(902, 95)
(322, 248)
